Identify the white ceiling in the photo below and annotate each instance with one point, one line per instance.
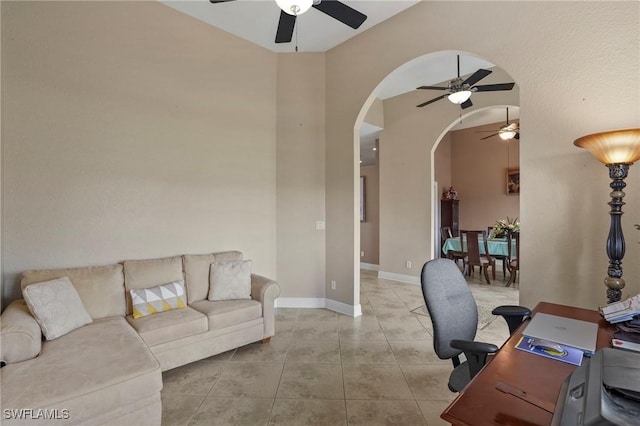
(257, 21)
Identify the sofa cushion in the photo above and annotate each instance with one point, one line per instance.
(21, 336)
(230, 280)
(148, 273)
(101, 288)
(93, 370)
(162, 298)
(56, 306)
(170, 325)
(226, 313)
(197, 268)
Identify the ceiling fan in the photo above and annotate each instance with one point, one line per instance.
(290, 9)
(459, 90)
(506, 132)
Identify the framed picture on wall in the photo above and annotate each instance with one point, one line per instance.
(513, 181)
(361, 198)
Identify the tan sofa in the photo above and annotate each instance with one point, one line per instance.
(109, 371)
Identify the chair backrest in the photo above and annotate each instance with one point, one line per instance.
(510, 238)
(445, 232)
(470, 241)
(451, 305)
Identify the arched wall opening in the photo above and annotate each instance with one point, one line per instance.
(403, 249)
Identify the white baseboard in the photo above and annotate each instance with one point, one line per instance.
(318, 302)
(399, 277)
(369, 266)
(343, 308)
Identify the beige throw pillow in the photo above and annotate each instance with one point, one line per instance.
(56, 306)
(230, 280)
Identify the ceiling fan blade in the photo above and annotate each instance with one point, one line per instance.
(466, 104)
(285, 27)
(493, 87)
(476, 77)
(432, 101)
(219, 1)
(433, 88)
(341, 12)
(490, 136)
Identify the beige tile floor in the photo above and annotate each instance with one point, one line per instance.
(323, 368)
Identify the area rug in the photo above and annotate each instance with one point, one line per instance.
(485, 317)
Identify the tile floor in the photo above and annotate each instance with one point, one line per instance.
(323, 368)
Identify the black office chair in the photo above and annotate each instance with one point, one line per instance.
(454, 315)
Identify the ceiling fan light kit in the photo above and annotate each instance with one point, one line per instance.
(505, 136)
(460, 96)
(505, 132)
(508, 132)
(290, 9)
(294, 7)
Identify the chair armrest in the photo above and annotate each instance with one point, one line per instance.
(514, 315)
(475, 352)
(467, 346)
(265, 291)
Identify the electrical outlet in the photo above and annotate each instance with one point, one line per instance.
(333, 284)
(408, 264)
(362, 253)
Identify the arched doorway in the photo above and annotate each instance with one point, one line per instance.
(407, 142)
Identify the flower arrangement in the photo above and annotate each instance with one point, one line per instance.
(449, 193)
(503, 227)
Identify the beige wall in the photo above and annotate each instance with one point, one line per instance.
(370, 228)
(133, 131)
(569, 60)
(442, 162)
(479, 176)
(300, 175)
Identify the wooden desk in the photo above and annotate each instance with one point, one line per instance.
(480, 403)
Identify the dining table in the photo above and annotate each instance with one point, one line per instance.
(497, 246)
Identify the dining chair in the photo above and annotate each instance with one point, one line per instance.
(514, 261)
(471, 240)
(501, 257)
(445, 233)
(454, 315)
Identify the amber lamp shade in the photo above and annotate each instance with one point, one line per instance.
(614, 147)
(617, 149)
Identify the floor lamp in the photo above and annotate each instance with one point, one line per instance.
(617, 149)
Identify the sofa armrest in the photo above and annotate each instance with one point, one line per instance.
(265, 291)
(20, 334)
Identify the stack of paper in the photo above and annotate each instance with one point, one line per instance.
(628, 335)
(621, 311)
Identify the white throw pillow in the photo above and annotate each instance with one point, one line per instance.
(56, 306)
(230, 280)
